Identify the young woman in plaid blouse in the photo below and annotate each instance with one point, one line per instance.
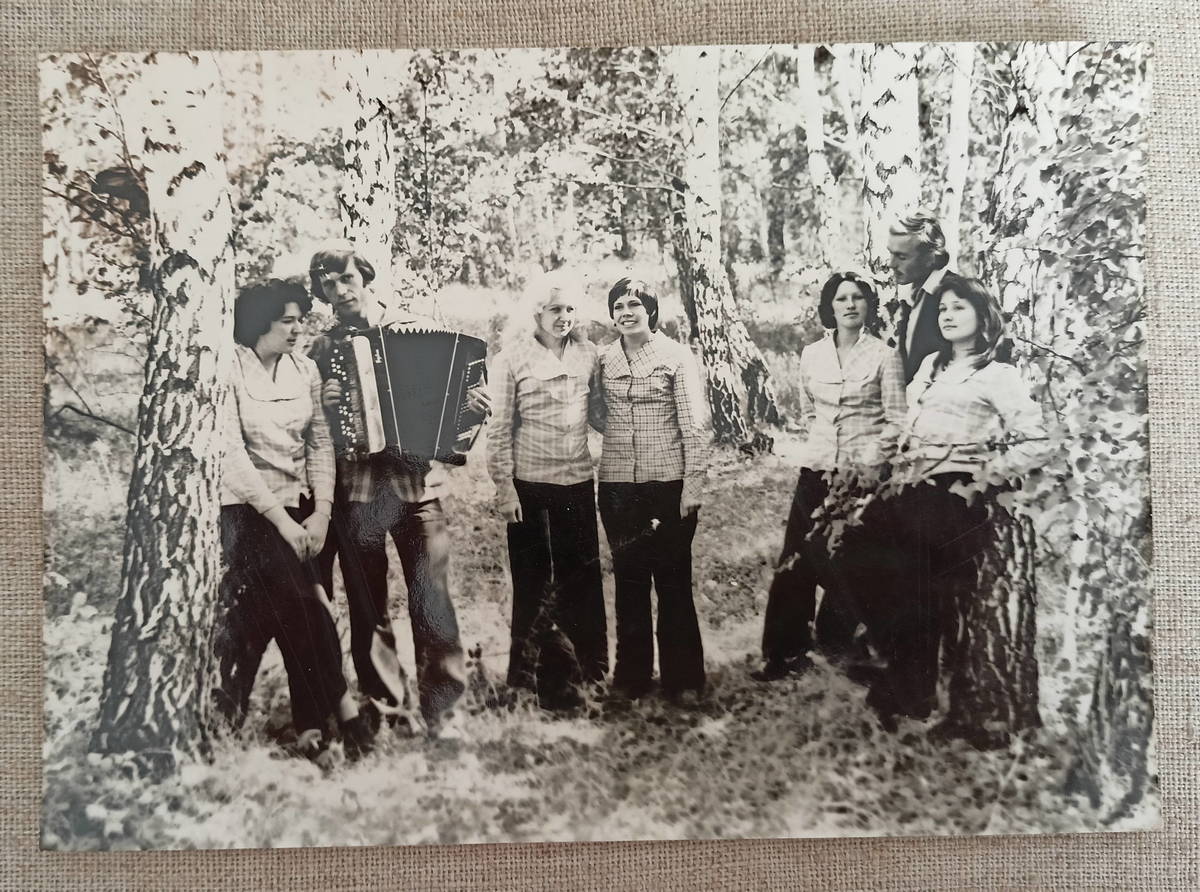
(852, 387)
(652, 468)
(971, 420)
(277, 491)
(546, 387)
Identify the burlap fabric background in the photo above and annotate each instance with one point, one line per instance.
(1168, 859)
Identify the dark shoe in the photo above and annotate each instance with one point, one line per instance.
(561, 701)
(358, 734)
(865, 674)
(774, 670)
(688, 698)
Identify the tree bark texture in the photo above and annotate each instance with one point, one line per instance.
(739, 390)
(368, 203)
(958, 142)
(890, 140)
(832, 245)
(156, 686)
(991, 645)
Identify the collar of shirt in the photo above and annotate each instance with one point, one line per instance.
(542, 362)
(931, 282)
(826, 348)
(286, 383)
(621, 365)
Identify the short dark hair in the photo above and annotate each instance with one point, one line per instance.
(259, 305)
(829, 291)
(990, 343)
(928, 230)
(335, 259)
(641, 291)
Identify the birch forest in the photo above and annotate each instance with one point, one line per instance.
(734, 180)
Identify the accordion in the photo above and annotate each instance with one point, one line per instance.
(404, 390)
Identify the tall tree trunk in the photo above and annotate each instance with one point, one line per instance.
(368, 202)
(889, 137)
(958, 143)
(991, 650)
(831, 242)
(739, 392)
(156, 687)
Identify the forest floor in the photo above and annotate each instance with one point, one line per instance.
(803, 757)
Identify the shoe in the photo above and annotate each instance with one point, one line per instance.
(774, 670)
(312, 745)
(447, 728)
(358, 734)
(688, 698)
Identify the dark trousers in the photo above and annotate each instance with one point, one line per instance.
(651, 543)
(269, 594)
(803, 564)
(422, 541)
(558, 592)
(924, 541)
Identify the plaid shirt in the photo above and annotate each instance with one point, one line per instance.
(657, 420)
(362, 480)
(958, 417)
(853, 411)
(277, 444)
(541, 406)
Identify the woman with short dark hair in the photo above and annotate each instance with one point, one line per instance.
(852, 390)
(652, 469)
(277, 491)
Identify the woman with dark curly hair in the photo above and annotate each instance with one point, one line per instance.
(277, 491)
(852, 387)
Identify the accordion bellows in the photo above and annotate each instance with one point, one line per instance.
(404, 389)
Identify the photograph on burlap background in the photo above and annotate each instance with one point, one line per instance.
(886, 304)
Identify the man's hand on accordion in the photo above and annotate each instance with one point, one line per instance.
(479, 400)
(331, 393)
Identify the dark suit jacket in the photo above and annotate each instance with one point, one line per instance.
(926, 336)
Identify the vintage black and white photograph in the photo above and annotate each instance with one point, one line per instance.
(677, 442)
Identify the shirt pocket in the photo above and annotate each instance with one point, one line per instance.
(826, 385)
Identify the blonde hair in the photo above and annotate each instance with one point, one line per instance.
(540, 290)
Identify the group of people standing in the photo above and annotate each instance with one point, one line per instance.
(931, 415)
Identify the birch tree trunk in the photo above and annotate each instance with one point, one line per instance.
(156, 686)
(833, 246)
(958, 144)
(889, 138)
(368, 203)
(739, 391)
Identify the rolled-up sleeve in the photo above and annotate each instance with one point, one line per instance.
(1024, 441)
(501, 462)
(318, 444)
(895, 406)
(691, 409)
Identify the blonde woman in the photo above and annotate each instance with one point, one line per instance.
(546, 385)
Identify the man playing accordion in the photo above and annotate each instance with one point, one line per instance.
(377, 496)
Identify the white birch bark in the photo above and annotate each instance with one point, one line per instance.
(368, 202)
(156, 691)
(890, 142)
(958, 143)
(739, 391)
(833, 246)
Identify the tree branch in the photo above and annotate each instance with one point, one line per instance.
(93, 417)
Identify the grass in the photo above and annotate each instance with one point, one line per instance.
(802, 757)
